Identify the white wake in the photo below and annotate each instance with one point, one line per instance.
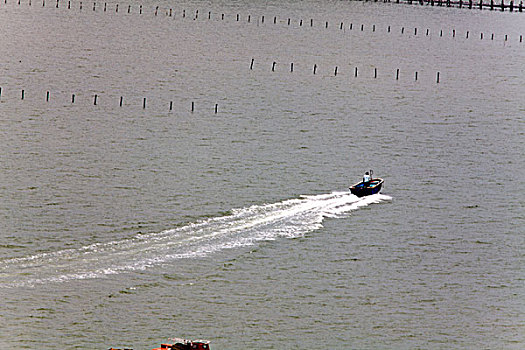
(244, 227)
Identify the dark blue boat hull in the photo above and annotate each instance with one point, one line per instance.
(362, 189)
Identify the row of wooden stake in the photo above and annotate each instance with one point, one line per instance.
(314, 70)
(170, 13)
(96, 100)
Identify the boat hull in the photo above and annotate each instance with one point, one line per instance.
(371, 187)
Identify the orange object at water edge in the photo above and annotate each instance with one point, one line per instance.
(183, 344)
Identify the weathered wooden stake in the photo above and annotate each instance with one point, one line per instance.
(481, 36)
(467, 33)
(291, 67)
(389, 29)
(453, 33)
(437, 78)
(375, 73)
(288, 21)
(300, 23)
(415, 77)
(216, 107)
(273, 67)
(140, 10)
(144, 103)
(374, 28)
(326, 26)
(121, 101)
(249, 18)
(95, 100)
(397, 74)
(351, 25)
(315, 68)
(335, 73)
(441, 32)
(355, 72)
(237, 17)
(427, 31)
(311, 22)
(362, 27)
(415, 31)
(274, 20)
(73, 98)
(23, 92)
(171, 105)
(251, 64)
(47, 96)
(192, 106)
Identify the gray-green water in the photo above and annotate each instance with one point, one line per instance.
(124, 226)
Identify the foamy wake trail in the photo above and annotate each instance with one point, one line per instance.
(244, 227)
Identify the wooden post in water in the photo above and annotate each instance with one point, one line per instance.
(481, 36)
(335, 72)
(216, 108)
(397, 74)
(171, 105)
(73, 98)
(311, 22)
(273, 66)
(437, 78)
(121, 101)
(47, 96)
(355, 72)
(23, 93)
(192, 106)
(375, 73)
(315, 68)
(251, 64)
(95, 100)
(144, 104)
(415, 77)
(291, 67)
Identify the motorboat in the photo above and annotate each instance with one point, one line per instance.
(367, 188)
(184, 344)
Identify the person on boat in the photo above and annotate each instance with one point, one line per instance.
(366, 177)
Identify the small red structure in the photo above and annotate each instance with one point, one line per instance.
(183, 344)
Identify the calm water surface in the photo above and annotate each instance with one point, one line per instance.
(125, 226)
